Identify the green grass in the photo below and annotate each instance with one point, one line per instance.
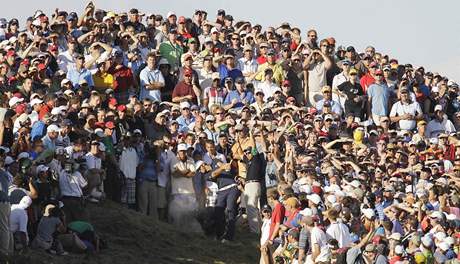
(134, 239)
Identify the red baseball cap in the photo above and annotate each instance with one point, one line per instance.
(109, 124)
(188, 72)
(378, 71)
(41, 66)
(121, 108)
(290, 99)
(373, 64)
(11, 53)
(113, 101)
(43, 19)
(286, 83)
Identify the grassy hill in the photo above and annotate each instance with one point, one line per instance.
(132, 238)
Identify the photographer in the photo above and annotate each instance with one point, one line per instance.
(71, 184)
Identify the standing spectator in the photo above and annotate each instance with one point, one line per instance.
(129, 161)
(406, 112)
(378, 98)
(152, 81)
(317, 64)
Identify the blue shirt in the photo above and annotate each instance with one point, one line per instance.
(335, 107)
(48, 143)
(76, 76)
(224, 72)
(38, 130)
(184, 123)
(147, 76)
(234, 94)
(149, 173)
(380, 96)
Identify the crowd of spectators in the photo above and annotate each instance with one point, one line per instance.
(330, 154)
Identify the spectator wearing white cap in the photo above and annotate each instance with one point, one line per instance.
(36, 105)
(406, 112)
(439, 124)
(186, 117)
(50, 140)
(183, 201)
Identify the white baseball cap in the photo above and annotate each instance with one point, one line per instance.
(52, 128)
(15, 100)
(368, 213)
(182, 147)
(314, 198)
(170, 13)
(306, 212)
(64, 81)
(184, 105)
(42, 168)
(35, 101)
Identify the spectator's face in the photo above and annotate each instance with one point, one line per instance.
(188, 79)
(312, 36)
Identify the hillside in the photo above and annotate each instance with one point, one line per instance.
(132, 238)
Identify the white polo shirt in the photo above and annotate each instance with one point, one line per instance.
(400, 108)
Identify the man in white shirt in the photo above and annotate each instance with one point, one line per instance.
(66, 59)
(152, 80)
(318, 242)
(183, 202)
(268, 86)
(406, 112)
(338, 80)
(247, 64)
(440, 124)
(337, 229)
(212, 157)
(95, 173)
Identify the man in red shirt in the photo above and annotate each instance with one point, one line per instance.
(187, 89)
(123, 79)
(368, 78)
(48, 104)
(277, 215)
(263, 48)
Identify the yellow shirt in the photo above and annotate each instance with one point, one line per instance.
(102, 82)
(278, 73)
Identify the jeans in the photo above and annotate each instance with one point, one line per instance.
(226, 212)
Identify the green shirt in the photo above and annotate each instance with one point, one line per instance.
(172, 53)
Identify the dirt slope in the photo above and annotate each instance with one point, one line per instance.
(134, 239)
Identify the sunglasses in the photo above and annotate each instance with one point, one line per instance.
(220, 113)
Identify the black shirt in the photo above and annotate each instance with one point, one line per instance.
(352, 91)
(255, 167)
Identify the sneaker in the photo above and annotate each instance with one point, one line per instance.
(224, 241)
(51, 251)
(63, 253)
